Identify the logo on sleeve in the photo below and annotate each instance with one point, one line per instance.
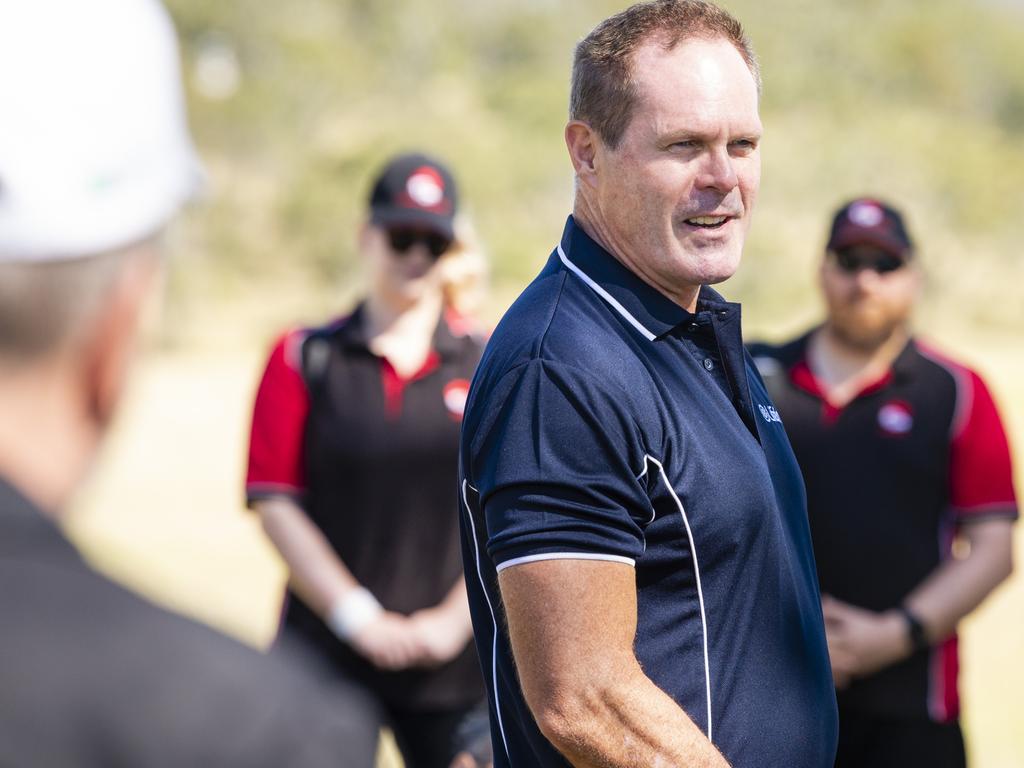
(769, 414)
(455, 393)
(896, 418)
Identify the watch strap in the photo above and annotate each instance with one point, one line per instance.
(915, 629)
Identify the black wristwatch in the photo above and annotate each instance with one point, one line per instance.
(915, 629)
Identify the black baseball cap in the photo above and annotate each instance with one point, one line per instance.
(415, 190)
(867, 221)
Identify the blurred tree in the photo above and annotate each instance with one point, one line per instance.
(919, 101)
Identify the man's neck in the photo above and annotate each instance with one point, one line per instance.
(404, 335)
(843, 369)
(414, 320)
(46, 446)
(583, 216)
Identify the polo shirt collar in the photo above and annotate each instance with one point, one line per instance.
(800, 374)
(648, 310)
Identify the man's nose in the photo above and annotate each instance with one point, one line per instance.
(717, 171)
(866, 278)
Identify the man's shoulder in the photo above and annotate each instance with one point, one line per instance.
(559, 321)
(61, 604)
(99, 660)
(943, 375)
(928, 356)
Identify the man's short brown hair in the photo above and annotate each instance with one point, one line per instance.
(603, 92)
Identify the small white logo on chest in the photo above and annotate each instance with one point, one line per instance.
(769, 414)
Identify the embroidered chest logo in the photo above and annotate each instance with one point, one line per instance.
(455, 393)
(896, 418)
(769, 414)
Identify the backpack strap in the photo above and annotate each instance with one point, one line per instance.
(316, 352)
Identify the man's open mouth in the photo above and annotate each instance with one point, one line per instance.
(707, 222)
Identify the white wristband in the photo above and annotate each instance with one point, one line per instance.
(351, 612)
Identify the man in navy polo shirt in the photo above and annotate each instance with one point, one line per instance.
(901, 449)
(637, 551)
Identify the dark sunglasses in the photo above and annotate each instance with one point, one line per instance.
(404, 239)
(882, 265)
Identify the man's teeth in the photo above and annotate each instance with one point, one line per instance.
(707, 221)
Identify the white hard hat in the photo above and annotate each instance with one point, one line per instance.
(95, 152)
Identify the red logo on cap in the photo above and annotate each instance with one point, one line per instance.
(866, 214)
(425, 188)
(456, 392)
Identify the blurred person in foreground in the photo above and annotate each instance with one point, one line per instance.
(95, 159)
(902, 451)
(352, 470)
(635, 533)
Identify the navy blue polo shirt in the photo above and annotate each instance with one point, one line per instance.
(606, 422)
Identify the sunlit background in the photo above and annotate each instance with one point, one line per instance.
(294, 105)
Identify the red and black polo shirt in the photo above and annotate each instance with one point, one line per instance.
(890, 477)
(373, 459)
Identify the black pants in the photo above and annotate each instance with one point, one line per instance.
(871, 742)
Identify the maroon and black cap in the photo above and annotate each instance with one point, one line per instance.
(866, 221)
(414, 190)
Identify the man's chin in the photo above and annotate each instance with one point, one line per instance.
(866, 338)
(715, 279)
(719, 267)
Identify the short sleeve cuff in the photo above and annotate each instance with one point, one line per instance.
(255, 492)
(1003, 511)
(565, 556)
(540, 525)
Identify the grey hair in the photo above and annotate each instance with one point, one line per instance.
(45, 305)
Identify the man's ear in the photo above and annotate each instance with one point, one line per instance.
(584, 147)
(108, 346)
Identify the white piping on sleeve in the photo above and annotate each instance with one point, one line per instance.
(566, 556)
(494, 620)
(964, 388)
(654, 512)
(696, 573)
(605, 295)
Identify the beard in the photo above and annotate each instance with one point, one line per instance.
(865, 328)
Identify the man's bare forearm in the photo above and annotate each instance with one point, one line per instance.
(572, 624)
(628, 724)
(958, 586)
(315, 572)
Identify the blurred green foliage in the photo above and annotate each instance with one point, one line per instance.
(917, 101)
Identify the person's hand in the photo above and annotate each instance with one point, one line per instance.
(388, 642)
(440, 636)
(861, 642)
